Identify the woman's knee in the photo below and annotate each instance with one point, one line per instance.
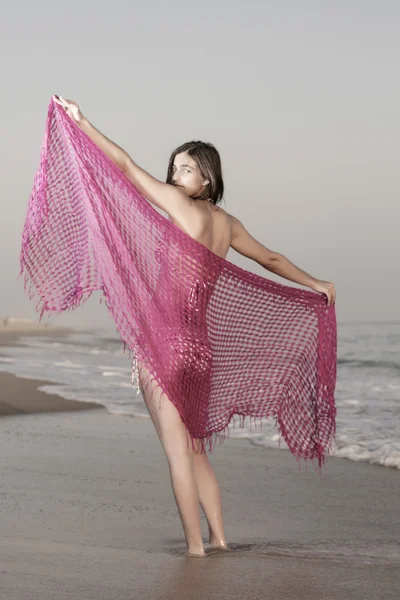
(184, 445)
(177, 445)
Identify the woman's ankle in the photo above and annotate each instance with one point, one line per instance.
(195, 551)
(217, 542)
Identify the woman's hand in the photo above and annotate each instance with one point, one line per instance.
(70, 107)
(325, 287)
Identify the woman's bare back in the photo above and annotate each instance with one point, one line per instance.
(208, 224)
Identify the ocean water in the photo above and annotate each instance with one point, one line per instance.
(93, 367)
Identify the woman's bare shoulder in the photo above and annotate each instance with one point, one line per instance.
(222, 211)
(232, 220)
(244, 243)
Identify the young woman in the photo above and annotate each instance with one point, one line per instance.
(191, 197)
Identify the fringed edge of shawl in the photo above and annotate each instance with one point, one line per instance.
(209, 442)
(200, 444)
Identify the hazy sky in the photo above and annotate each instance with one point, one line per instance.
(301, 99)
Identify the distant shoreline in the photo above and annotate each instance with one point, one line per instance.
(19, 395)
(11, 334)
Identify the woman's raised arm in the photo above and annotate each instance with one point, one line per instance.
(169, 198)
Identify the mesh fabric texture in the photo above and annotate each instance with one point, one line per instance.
(221, 342)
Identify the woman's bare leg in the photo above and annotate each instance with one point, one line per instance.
(210, 499)
(172, 434)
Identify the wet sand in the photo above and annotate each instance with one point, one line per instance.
(21, 396)
(87, 512)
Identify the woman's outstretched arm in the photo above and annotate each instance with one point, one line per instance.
(169, 198)
(246, 244)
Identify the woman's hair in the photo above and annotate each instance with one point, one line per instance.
(208, 160)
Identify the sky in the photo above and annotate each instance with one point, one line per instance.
(300, 98)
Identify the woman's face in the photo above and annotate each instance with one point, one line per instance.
(186, 174)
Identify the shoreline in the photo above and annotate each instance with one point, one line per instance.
(20, 395)
(47, 402)
(10, 335)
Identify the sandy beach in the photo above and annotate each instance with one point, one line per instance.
(87, 511)
(12, 330)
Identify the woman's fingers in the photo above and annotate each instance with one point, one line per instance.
(332, 294)
(65, 103)
(60, 100)
(70, 107)
(327, 288)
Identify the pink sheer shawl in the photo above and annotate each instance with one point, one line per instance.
(221, 342)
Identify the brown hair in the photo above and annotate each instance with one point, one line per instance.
(208, 160)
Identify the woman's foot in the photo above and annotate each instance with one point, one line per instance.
(218, 545)
(198, 554)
